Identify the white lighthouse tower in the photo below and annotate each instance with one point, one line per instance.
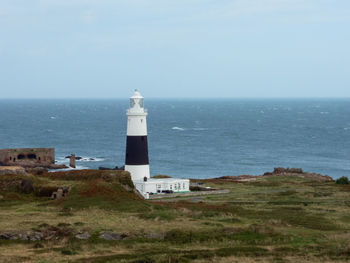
(136, 156)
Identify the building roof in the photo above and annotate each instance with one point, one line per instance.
(161, 180)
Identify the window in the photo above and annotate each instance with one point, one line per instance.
(31, 156)
(171, 187)
(183, 186)
(175, 186)
(132, 103)
(141, 103)
(20, 156)
(10, 158)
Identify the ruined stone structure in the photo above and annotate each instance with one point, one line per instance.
(72, 159)
(28, 157)
(60, 193)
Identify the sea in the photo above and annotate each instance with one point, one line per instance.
(189, 138)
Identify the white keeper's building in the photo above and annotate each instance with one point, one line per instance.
(163, 185)
(136, 155)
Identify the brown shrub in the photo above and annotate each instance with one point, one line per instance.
(45, 191)
(96, 188)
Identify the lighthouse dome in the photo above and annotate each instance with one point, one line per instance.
(137, 95)
(136, 101)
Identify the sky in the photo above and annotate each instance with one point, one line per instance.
(174, 48)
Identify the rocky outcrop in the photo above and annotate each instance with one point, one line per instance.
(112, 236)
(21, 235)
(280, 171)
(15, 170)
(56, 233)
(47, 234)
(298, 172)
(84, 236)
(36, 170)
(57, 166)
(75, 157)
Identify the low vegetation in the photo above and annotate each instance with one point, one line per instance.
(342, 180)
(270, 219)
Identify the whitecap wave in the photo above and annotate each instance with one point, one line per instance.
(178, 128)
(91, 159)
(61, 159)
(64, 160)
(53, 118)
(200, 129)
(78, 167)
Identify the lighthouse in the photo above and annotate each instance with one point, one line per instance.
(136, 155)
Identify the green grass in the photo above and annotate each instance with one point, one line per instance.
(267, 220)
(104, 195)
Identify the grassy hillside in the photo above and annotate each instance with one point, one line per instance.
(272, 219)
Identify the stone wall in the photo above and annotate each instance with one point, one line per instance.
(28, 157)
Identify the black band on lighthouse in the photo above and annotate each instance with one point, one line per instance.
(136, 150)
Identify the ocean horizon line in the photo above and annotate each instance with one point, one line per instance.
(179, 98)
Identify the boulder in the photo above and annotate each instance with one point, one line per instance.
(112, 236)
(23, 236)
(159, 236)
(5, 236)
(295, 170)
(83, 236)
(76, 157)
(27, 186)
(279, 170)
(36, 236)
(58, 166)
(49, 234)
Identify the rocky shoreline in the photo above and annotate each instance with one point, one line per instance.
(57, 233)
(279, 171)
